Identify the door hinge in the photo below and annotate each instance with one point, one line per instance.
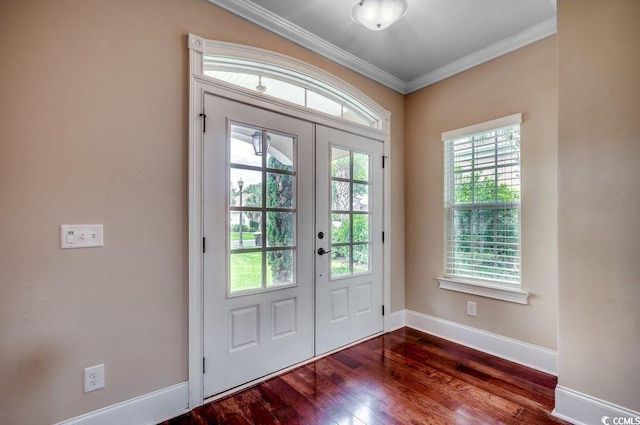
(383, 160)
(204, 122)
(382, 237)
(204, 245)
(383, 309)
(203, 368)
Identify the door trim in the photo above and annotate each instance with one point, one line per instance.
(198, 86)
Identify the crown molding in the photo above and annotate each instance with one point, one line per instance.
(274, 23)
(531, 35)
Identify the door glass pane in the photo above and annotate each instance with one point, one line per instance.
(280, 152)
(360, 167)
(340, 228)
(350, 218)
(260, 222)
(340, 261)
(241, 147)
(360, 258)
(340, 163)
(251, 182)
(280, 227)
(280, 193)
(248, 235)
(340, 196)
(245, 271)
(360, 227)
(360, 197)
(280, 267)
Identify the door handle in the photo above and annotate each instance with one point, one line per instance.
(321, 251)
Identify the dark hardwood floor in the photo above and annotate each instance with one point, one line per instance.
(404, 377)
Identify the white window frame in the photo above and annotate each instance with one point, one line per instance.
(222, 61)
(236, 57)
(511, 292)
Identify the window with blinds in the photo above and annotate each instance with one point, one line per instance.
(482, 201)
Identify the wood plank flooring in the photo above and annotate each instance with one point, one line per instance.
(404, 377)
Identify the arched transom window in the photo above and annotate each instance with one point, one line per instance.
(289, 80)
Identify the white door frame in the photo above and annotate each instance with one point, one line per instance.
(199, 84)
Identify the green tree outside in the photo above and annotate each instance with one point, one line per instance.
(485, 238)
(280, 225)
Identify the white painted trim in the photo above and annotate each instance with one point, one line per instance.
(531, 35)
(533, 356)
(395, 321)
(498, 292)
(386, 223)
(274, 23)
(482, 127)
(150, 408)
(196, 282)
(582, 409)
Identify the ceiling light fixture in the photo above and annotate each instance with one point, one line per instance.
(377, 15)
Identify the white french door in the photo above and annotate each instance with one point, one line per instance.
(275, 195)
(258, 229)
(349, 251)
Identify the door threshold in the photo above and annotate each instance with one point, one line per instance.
(255, 382)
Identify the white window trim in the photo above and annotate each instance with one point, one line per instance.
(481, 287)
(485, 288)
(319, 77)
(291, 76)
(482, 127)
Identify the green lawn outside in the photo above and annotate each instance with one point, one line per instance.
(246, 271)
(246, 236)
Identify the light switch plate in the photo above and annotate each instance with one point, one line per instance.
(81, 236)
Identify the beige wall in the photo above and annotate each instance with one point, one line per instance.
(523, 81)
(599, 198)
(93, 129)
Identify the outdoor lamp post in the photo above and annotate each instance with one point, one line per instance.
(240, 184)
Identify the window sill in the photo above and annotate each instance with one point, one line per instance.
(484, 289)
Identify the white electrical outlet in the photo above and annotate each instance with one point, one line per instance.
(93, 378)
(471, 308)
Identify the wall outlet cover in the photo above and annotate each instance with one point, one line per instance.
(93, 378)
(471, 308)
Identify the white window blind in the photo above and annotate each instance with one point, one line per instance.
(482, 201)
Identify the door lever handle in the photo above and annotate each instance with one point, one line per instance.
(321, 251)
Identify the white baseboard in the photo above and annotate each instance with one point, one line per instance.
(395, 321)
(150, 408)
(582, 409)
(533, 356)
